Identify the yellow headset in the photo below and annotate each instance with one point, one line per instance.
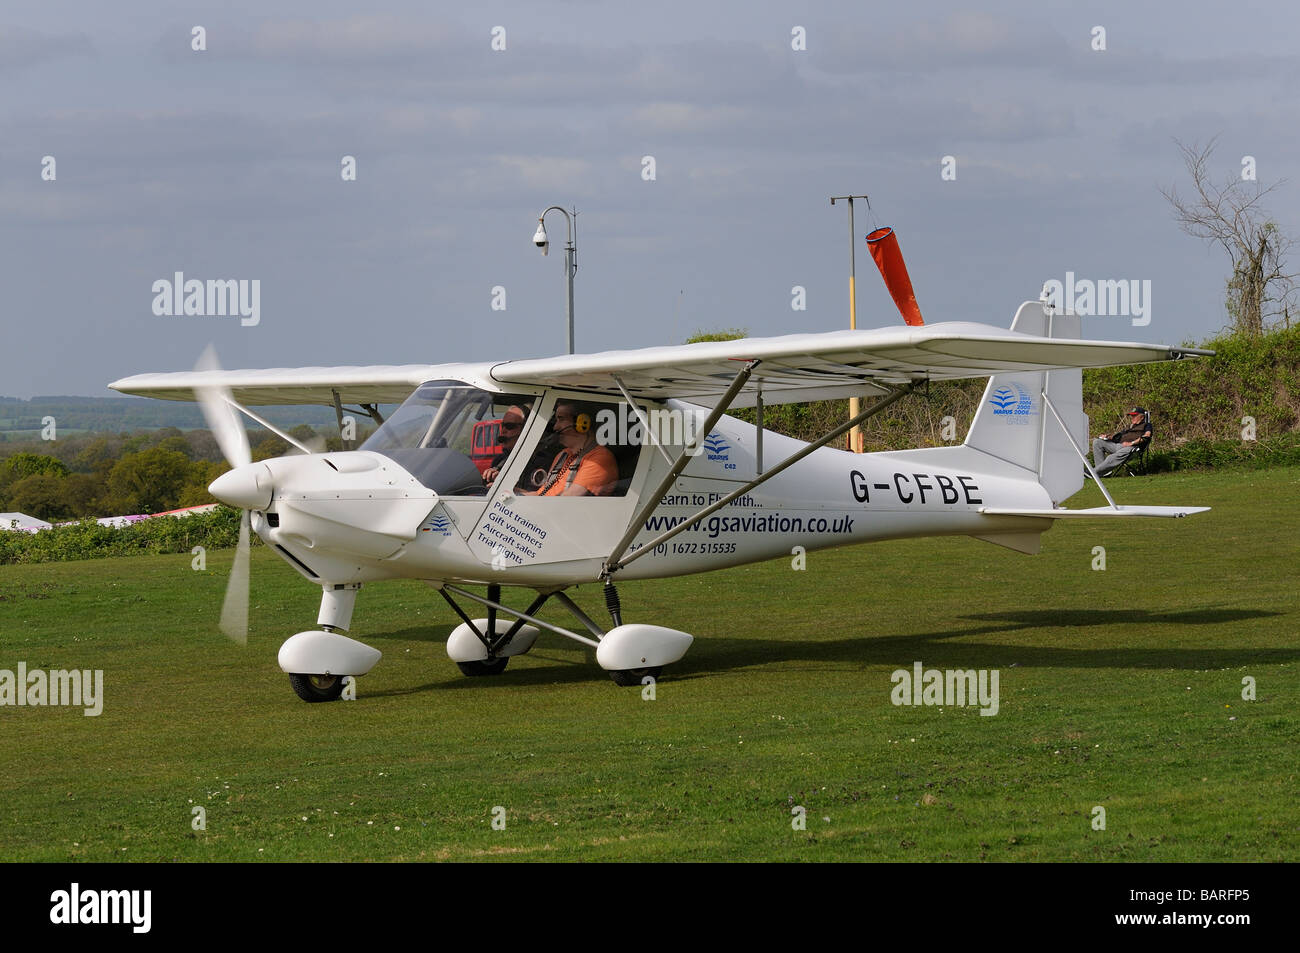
(581, 419)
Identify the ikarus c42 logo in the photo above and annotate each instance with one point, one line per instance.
(437, 524)
(716, 450)
(1012, 403)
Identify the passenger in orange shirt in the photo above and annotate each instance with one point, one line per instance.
(582, 468)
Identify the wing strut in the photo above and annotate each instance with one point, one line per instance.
(265, 423)
(338, 412)
(370, 410)
(612, 564)
(1082, 456)
(645, 424)
(617, 560)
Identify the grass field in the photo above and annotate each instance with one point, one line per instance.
(1119, 689)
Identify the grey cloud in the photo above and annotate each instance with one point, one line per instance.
(976, 40)
(388, 57)
(957, 41)
(22, 48)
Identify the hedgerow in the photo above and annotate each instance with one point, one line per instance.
(88, 540)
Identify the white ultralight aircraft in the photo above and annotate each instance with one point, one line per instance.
(426, 498)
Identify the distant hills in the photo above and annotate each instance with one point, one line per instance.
(20, 419)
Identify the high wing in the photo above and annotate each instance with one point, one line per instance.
(378, 384)
(792, 368)
(799, 367)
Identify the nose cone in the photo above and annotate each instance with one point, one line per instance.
(248, 487)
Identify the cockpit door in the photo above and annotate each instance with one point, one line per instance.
(517, 528)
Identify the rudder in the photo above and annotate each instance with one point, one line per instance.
(1014, 425)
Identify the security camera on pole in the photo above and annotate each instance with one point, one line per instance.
(570, 253)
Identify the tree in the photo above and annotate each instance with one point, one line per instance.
(724, 334)
(270, 447)
(41, 495)
(1230, 214)
(20, 466)
(201, 473)
(82, 493)
(28, 464)
(177, 443)
(203, 446)
(149, 481)
(97, 457)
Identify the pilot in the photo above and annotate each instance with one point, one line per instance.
(512, 424)
(583, 467)
(1111, 450)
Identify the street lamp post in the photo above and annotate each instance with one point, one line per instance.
(855, 435)
(570, 253)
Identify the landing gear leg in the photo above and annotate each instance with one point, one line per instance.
(625, 676)
(628, 652)
(612, 604)
(493, 640)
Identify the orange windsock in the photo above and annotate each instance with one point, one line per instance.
(883, 245)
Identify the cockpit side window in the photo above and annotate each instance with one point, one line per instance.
(453, 437)
(586, 449)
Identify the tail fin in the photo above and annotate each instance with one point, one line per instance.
(1015, 425)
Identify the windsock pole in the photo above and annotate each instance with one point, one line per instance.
(855, 434)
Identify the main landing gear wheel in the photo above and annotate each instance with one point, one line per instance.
(317, 688)
(490, 667)
(632, 676)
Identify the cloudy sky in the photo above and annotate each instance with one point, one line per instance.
(226, 163)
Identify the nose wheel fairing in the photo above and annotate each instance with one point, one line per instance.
(636, 646)
(317, 652)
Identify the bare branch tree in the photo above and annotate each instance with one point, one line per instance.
(1231, 215)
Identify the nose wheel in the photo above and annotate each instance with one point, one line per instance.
(627, 677)
(317, 688)
(490, 667)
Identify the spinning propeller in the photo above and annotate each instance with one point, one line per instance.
(232, 438)
(246, 485)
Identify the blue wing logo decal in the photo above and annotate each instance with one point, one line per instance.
(1013, 404)
(1004, 397)
(437, 524)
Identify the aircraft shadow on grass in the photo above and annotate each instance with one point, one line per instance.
(570, 665)
(1068, 649)
(715, 654)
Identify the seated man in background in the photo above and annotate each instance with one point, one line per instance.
(1109, 451)
(583, 467)
(512, 422)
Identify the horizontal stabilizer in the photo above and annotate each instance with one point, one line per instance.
(1027, 543)
(1165, 511)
